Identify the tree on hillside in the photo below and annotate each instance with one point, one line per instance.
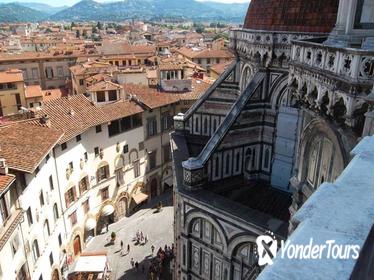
(99, 25)
(77, 34)
(73, 24)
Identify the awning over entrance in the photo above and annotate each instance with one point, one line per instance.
(90, 224)
(107, 210)
(140, 197)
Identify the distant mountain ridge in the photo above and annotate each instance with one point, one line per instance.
(14, 12)
(87, 10)
(45, 8)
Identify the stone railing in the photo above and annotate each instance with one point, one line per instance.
(352, 65)
(264, 46)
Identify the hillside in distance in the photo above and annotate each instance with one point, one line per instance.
(89, 10)
(14, 12)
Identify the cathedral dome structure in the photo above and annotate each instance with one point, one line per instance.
(317, 16)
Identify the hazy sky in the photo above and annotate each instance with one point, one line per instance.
(72, 2)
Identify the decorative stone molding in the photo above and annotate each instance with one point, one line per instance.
(193, 174)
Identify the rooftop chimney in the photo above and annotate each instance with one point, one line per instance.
(45, 120)
(3, 167)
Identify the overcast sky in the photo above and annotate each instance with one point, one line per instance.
(72, 2)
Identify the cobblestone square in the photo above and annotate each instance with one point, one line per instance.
(157, 226)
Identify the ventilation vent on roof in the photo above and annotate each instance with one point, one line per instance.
(71, 112)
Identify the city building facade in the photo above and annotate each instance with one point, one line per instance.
(281, 120)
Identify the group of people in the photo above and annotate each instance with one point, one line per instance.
(159, 265)
(141, 238)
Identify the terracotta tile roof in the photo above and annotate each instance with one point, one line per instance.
(5, 181)
(150, 96)
(11, 76)
(170, 66)
(154, 99)
(33, 91)
(207, 53)
(98, 77)
(220, 67)
(91, 67)
(121, 109)
(52, 94)
(104, 85)
(73, 115)
(24, 145)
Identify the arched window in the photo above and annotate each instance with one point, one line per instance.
(35, 250)
(267, 157)
(227, 163)
(245, 254)
(46, 231)
(55, 212)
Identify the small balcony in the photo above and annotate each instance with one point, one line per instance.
(264, 47)
(351, 65)
(332, 81)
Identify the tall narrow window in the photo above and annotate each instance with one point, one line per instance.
(35, 250)
(46, 231)
(227, 167)
(55, 212)
(267, 156)
(248, 157)
(217, 167)
(237, 162)
(254, 159)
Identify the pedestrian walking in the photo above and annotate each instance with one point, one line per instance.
(153, 249)
(146, 239)
(141, 236)
(132, 263)
(128, 248)
(136, 266)
(121, 245)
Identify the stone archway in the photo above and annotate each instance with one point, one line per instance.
(55, 274)
(77, 245)
(323, 155)
(122, 206)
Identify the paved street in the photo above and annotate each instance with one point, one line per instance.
(158, 227)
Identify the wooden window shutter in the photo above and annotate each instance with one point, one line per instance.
(67, 201)
(106, 171)
(75, 193)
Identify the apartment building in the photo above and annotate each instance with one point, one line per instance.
(12, 92)
(48, 70)
(206, 58)
(81, 164)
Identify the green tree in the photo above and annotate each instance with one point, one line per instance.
(99, 25)
(84, 33)
(77, 34)
(73, 24)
